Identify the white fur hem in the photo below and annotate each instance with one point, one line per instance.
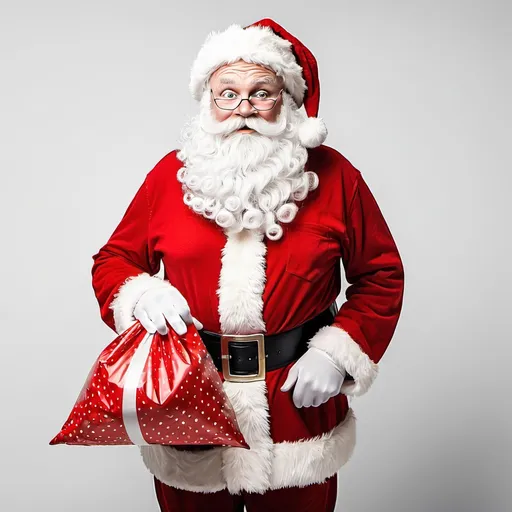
(127, 296)
(346, 353)
(302, 463)
(292, 464)
(249, 470)
(187, 470)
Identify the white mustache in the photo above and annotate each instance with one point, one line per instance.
(267, 128)
(233, 124)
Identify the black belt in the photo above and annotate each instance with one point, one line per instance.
(248, 357)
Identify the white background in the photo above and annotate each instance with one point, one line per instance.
(416, 94)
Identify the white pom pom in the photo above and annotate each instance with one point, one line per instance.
(312, 132)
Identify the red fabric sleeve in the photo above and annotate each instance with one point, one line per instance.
(126, 254)
(375, 273)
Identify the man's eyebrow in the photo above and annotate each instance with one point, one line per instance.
(267, 80)
(256, 81)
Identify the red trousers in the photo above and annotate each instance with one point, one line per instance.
(313, 498)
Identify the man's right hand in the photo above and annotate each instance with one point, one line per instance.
(155, 306)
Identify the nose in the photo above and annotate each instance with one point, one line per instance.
(245, 109)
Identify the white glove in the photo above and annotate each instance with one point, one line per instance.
(318, 379)
(157, 305)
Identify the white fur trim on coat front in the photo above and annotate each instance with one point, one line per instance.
(241, 285)
(249, 470)
(127, 296)
(255, 44)
(347, 354)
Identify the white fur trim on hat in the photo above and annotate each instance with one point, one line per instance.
(254, 44)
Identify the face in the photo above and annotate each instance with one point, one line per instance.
(243, 80)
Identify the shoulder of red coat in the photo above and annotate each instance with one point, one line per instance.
(166, 167)
(325, 157)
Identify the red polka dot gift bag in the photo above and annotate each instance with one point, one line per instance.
(153, 389)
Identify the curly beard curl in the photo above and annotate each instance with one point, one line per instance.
(245, 181)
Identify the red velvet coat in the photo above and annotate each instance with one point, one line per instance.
(244, 283)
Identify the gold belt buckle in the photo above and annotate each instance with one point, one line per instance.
(224, 342)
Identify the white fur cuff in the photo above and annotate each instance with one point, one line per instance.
(346, 353)
(129, 293)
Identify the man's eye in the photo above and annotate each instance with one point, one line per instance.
(261, 94)
(229, 95)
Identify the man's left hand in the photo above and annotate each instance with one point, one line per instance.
(317, 379)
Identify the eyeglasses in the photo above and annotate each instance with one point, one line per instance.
(260, 104)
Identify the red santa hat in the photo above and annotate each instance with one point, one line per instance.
(268, 44)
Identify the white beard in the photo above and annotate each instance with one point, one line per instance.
(245, 181)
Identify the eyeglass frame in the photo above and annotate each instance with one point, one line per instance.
(249, 100)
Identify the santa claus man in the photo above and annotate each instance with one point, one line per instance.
(251, 218)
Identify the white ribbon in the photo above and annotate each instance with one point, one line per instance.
(131, 384)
